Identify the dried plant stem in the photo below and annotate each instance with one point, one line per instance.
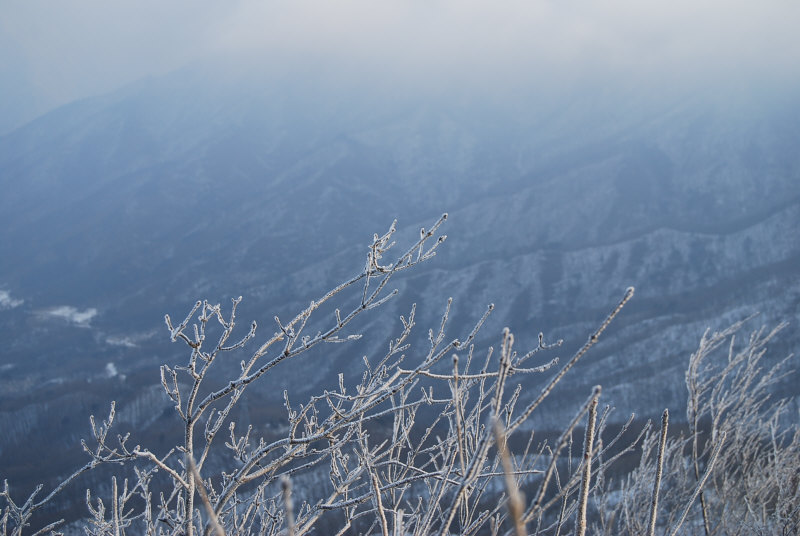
(700, 484)
(662, 443)
(458, 416)
(516, 503)
(586, 477)
(288, 507)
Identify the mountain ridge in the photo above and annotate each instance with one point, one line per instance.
(138, 203)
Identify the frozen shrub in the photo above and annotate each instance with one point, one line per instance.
(735, 471)
(421, 444)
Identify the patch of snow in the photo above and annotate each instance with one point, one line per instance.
(121, 341)
(130, 339)
(55, 381)
(7, 302)
(71, 314)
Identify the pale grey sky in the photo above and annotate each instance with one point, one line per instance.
(56, 52)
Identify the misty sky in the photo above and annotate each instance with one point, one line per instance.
(56, 52)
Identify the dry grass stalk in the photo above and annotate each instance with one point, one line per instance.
(586, 475)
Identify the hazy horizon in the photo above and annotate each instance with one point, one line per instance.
(58, 53)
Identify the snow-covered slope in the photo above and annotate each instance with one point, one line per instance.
(138, 203)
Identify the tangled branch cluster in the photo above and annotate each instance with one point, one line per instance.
(421, 445)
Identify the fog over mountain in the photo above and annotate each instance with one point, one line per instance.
(248, 174)
(54, 54)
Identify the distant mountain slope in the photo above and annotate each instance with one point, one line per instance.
(134, 204)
